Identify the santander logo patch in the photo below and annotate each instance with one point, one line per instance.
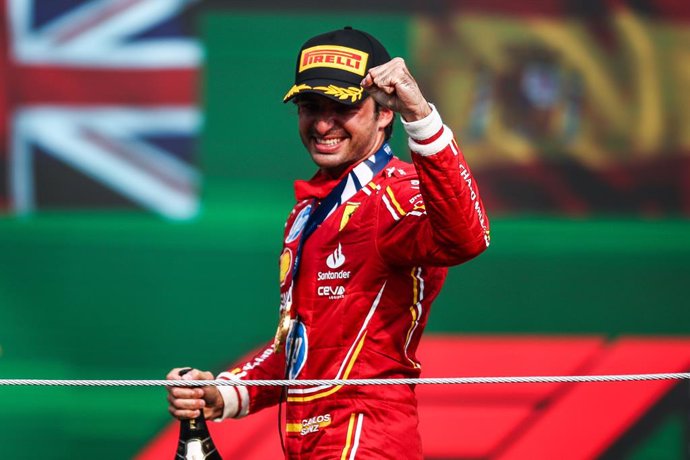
(336, 259)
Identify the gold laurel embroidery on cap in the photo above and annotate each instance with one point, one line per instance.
(296, 89)
(354, 93)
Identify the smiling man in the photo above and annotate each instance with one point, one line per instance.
(338, 135)
(365, 252)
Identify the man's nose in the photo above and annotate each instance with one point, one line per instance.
(325, 120)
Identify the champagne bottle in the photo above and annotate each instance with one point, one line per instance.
(195, 441)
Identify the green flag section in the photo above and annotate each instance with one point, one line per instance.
(250, 134)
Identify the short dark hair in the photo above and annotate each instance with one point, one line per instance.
(389, 129)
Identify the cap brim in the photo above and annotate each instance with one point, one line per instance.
(345, 93)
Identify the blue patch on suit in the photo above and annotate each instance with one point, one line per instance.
(296, 348)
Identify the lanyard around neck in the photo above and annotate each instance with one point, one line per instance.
(362, 174)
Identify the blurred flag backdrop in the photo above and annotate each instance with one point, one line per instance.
(146, 161)
(100, 106)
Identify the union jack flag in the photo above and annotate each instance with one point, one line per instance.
(98, 105)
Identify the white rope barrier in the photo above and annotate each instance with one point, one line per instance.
(405, 381)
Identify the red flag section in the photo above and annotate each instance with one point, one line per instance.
(588, 418)
(473, 421)
(506, 421)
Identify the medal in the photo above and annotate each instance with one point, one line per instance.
(282, 331)
(284, 321)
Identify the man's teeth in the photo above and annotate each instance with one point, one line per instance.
(328, 141)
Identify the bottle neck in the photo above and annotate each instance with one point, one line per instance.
(195, 441)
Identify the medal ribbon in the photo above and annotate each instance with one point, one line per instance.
(360, 175)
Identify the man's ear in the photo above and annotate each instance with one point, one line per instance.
(385, 116)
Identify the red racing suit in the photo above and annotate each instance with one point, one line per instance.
(367, 277)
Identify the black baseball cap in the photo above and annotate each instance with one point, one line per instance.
(333, 65)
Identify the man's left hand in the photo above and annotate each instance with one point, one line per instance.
(392, 86)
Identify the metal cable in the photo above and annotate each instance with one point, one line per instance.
(314, 382)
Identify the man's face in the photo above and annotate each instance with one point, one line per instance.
(338, 135)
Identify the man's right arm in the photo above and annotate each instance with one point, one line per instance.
(221, 402)
(242, 400)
